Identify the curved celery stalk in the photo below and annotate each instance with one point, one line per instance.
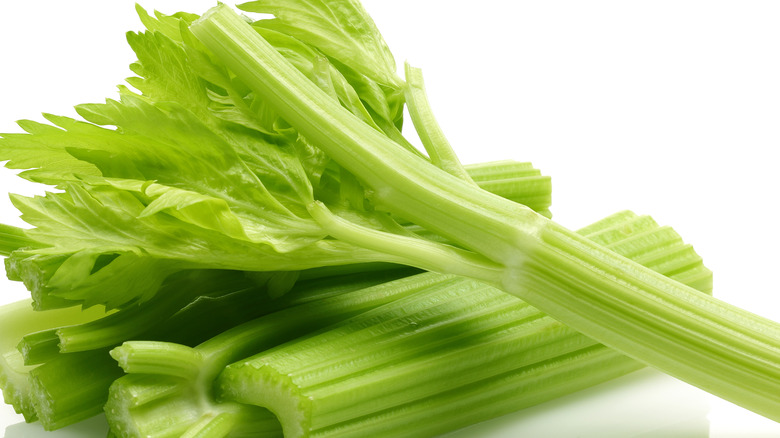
(433, 139)
(519, 182)
(701, 340)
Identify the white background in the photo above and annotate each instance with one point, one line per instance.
(669, 108)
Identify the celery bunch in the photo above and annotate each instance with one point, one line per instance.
(258, 168)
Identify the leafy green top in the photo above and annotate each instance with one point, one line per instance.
(190, 169)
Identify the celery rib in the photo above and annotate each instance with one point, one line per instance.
(501, 169)
(699, 339)
(72, 387)
(428, 129)
(16, 320)
(490, 398)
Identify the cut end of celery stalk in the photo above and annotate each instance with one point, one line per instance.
(15, 385)
(154, 405)
(129, 392)
(163, 405)
(273, 390)
(16, 376)
(155, 357)
(72, 387)
(38, 347)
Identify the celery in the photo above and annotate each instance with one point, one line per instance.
(16, 320)
(437, 338)
(138, 400)
(701, 340)
(71, 387)
(508, 178)
(73, 368)
(439, 149)
(71, 383)
(275, 147)
(191, 308)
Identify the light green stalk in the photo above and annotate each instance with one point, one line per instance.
(432, 136)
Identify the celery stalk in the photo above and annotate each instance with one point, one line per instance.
(71, 387)
(16, 320)
(701, 340)
(508, 179)
(432, 136)
(516, 181)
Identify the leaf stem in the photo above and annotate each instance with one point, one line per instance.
(432, 136)
(425, 254)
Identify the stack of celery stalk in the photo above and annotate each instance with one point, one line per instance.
(247, 243)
